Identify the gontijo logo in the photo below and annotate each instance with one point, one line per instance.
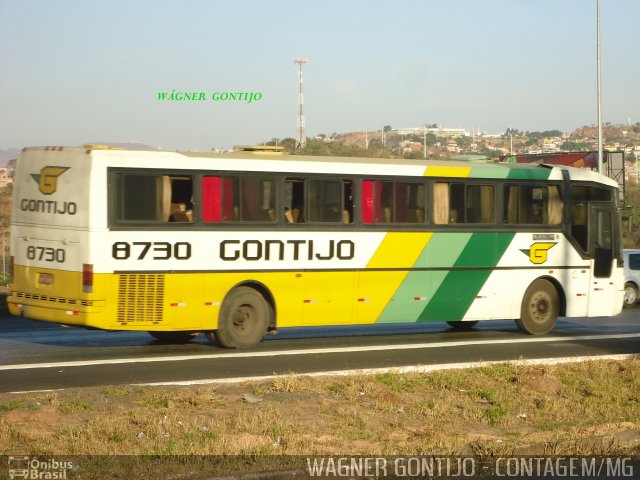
(47, 179)
(537, 253)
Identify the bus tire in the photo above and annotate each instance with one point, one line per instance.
(244, 318)
(463, 325)
(540, 308)
(173, 337)
(630, 295)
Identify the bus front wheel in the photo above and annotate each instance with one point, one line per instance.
(244, 318)
(540, 307)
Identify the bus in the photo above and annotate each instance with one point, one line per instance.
(238, 245)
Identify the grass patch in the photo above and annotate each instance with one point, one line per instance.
(12, 404)
(396, 381)
(495, 414)
(584, 408)
(487, 395)
(117, 391)
(74, 407)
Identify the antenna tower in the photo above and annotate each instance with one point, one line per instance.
(302, 139)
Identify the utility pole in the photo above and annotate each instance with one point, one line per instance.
(302, 139)
(4, 252)
(424, 140)
(600, 159)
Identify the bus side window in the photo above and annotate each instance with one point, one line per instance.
(180, 198)
(392, 202)
(257, 200)
(219, 202)
(532, 205)
(293, 200)
(155, 198)
(325, 198)
(238, 199)
(463, 203)
(456, 203)
(480, 204)
(347, 192)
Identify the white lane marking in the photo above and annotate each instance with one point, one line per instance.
(405, 369)
(315, 351)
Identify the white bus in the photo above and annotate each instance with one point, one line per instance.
(237, 245)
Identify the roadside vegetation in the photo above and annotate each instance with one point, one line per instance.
(573, 409)
(6, 194)
(631, 215)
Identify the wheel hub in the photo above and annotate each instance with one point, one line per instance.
(242, 317)
(540, 307)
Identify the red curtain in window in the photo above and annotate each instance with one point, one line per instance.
(367, 201)
(211, 199)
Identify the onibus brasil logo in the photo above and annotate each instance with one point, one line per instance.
(47, 179)
(35, 469)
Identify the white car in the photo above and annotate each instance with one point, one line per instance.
(631, 277)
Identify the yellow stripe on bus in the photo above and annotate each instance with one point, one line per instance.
(441, 171)
(398, 250)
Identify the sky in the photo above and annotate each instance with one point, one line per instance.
(78, 71)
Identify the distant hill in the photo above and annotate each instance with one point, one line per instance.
(7, 155)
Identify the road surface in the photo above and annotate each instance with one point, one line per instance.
(40, 356)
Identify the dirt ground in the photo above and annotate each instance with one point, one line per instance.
(583, 408)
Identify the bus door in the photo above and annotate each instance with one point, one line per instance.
(604, 292)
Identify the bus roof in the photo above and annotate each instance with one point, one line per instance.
(273, 162)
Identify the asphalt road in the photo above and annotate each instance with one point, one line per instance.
(40, 356)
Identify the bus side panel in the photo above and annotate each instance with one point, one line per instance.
(387, 289)
(532, 256)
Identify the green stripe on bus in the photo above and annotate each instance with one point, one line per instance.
(459, 288)
(535, 173)
(416, 290)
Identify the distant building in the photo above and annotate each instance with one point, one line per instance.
(6, 177)
(438, 132)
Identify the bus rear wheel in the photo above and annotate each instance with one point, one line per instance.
(540, 308)
(244, 318)
(174, 337)
(463, 325)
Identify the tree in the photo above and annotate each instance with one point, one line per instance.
(551, 133)
(575, 146)
(463, 142)
(387, 128)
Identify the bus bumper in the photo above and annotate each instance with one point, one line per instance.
(44, 311)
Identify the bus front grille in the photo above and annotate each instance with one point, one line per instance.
(140, 298)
